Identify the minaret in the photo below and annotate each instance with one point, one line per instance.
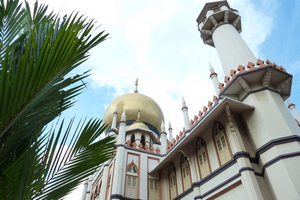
(185, 115)
(163, 139)
(170, 132)
(114, 121)
(219, 26)
(294, 110)
(265, 87)
(119, 175)
(214, 78)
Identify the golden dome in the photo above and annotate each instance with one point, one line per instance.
(150, 112)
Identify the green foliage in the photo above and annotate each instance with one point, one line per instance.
(38, 50)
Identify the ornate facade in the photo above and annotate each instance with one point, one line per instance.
(243, 145)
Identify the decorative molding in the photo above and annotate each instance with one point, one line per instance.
(229, 118)
(156, 152)
(278, 158)
(213, 20)
(274, 142)
(250, 67)
(218, 186)
(121, 197)
(284, 83)
(244, 84)
(246, 169)
(225, 190)
(267, 78)
(113, 130)
(233, 161)
(181, 151)
(183, 194)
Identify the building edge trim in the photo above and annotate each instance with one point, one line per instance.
(121, 197)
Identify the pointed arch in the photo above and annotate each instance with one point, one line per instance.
(172, 181)
(143, 140)
(132, 139)
(131, 187)
(221, 143)
(185, 172)
(202, 158)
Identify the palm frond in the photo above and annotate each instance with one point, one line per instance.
(37, 52)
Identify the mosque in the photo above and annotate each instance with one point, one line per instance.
(243, 145)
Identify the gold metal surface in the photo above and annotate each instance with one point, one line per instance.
(150, 111)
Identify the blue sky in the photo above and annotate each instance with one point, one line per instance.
(158, 42)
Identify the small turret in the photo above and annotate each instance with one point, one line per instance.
(170, 132)
(163, 138)
(122, 130)
(185, 115)
(294, 110)
(114, 121)
(214, 78)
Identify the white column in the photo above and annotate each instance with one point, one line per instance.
(214, 78)
(119, 170)
(147, 140)
(89, 188)
(104, 181)
(185, 115)
(85, 187)
(114, 120)
(249, 180)
(137, 137)
(163, 139)
(122, 130)
(294, 110)
(170, 132)
(231, 48)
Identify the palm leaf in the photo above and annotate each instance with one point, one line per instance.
(38, 51)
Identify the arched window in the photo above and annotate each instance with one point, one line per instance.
(185, 172)
(131, 181)
(172, 181)
(153, 189)
(221, 143)
(132, 139)
(202, 156)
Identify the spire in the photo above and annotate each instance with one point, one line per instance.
(136, 86)
(163, 129)
(294, 110)
(185, 115)
(183, 103)
(163, 138)
(139, 116)
(214, 78)
(123, 116)
(170, 132)
(211, 69)
(114, 120)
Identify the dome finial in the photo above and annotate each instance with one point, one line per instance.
(136, 85)
(139, 116)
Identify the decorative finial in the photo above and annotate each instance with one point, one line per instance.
(211, 69)
(183, 102)
(163, 126)
(116, 109)
(123, 116)
(139, 116)
(170, 126)
(136, 85)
